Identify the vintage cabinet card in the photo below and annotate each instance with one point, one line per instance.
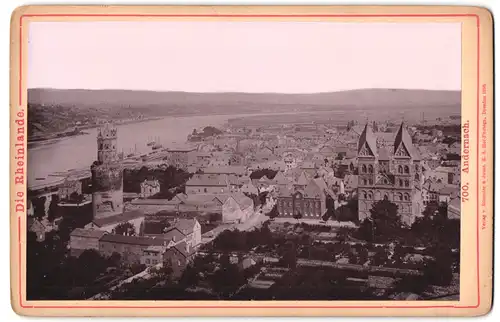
(298, 161)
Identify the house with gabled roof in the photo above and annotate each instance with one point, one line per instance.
(174, 231)
(280, 180)
(178, 257)
(249, 188)
(302, 180)
(130, 248)
(149, 188)
(81, 239)
(308, 202)
(237, 208)
(134, 217)
(207, 184)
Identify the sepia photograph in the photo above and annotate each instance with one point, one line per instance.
(243, 160)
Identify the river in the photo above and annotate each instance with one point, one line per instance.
(80, 151)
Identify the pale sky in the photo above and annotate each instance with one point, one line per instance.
(287, 57)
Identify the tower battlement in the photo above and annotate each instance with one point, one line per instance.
(107, 131)
(107, 174)
(107, 144)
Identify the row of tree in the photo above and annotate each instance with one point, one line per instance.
(172, 180)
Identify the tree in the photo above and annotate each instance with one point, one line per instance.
(137, 268)
(211, 131)
(380, 257)
(39, 207)
(227, 279)
(411, 284)
(88, 266)
(362, 255)
(166, 271)
(263, 197)
(214, 217)
(439, 271)
(386, 221)
(343, 234)
(114, 259)
(344, 213)
(189, 277)
(125, 228)
(273, 213)
(53, 208)
(365, 230)
(330, 208)
(398, 257)
(297, 215)
(289, 255)
(76, 197)
(257, 174)
(434, 226)
(352, 205)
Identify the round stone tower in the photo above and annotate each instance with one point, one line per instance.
(107, 174)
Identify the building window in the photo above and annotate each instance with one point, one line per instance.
(407, 169)
(400, 169)
(155, 261)
(363, 168)
(407, 197)
(371, 181)
(370, 169)
(401, 182)
(147, 261)
(370, 195)
(407, 183)
(364, 194)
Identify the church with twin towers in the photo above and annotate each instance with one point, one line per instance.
(389, 171)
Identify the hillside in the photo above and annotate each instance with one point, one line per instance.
(88, 105)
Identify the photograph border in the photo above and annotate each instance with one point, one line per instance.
(482, 19)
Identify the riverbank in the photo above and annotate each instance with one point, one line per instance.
(58, 136)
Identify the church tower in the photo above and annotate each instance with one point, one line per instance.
(404, 174)
(107, 174)
(367, 171)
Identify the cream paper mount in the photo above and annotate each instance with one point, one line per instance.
(251, 160)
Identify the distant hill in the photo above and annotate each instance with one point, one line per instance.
(90, 104)
(366, 98)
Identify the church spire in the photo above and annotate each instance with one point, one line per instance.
(367, 139)
(403, 139)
